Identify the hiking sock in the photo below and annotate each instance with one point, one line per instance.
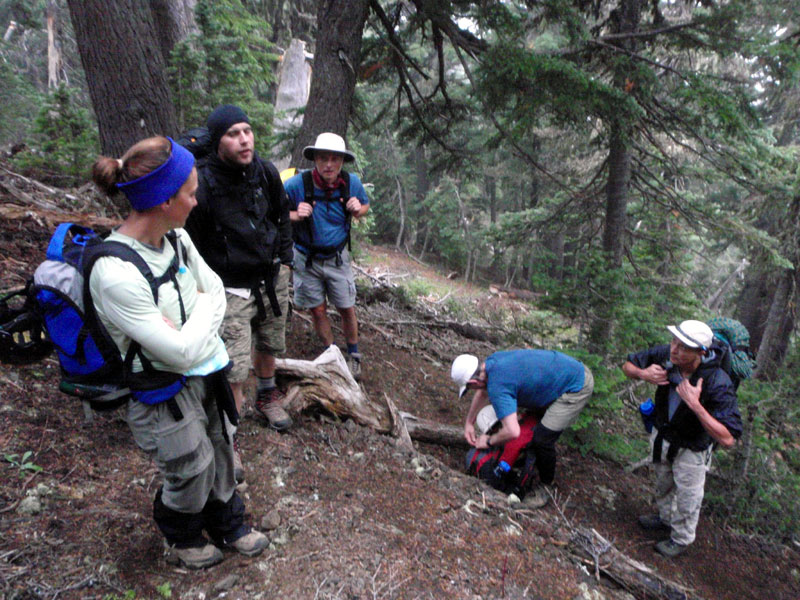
(266, 383)
(352, 348)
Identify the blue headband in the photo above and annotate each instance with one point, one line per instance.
(162, 184)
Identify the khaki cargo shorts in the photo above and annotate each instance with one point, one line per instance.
(241, 328)
(565, 410)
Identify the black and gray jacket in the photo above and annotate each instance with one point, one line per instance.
(718, 397)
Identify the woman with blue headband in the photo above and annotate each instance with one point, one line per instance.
(185, 426)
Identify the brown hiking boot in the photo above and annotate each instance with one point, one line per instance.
(199, 557)
(251, 544)
(269, 406)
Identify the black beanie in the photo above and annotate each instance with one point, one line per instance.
(221, 119)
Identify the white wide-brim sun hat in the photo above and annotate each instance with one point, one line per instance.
(329, 142)
(694, 334)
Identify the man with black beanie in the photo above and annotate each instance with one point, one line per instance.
(242, 229)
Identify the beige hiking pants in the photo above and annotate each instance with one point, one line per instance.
(679, 489)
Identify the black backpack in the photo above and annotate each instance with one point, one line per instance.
(197, 141)
(23, 339)
(308, 197)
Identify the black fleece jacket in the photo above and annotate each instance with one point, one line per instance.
(241, 223)
(717, 396)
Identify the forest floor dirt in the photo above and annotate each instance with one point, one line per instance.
(357, 517)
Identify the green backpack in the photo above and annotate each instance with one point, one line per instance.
(737, 359)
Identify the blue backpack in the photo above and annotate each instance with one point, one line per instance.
(91, 366)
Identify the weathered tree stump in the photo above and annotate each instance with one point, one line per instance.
(327, 382)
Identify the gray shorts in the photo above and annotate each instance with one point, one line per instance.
(324, 278)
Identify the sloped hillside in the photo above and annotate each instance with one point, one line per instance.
(349, 514)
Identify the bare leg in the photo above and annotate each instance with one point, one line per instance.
(263, 364)
(349, 324)
(322, 324)
(238, 395)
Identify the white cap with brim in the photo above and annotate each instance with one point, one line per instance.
(464, 367)
(694, 334)
(329, 142)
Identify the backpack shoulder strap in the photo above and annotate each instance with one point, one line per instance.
(308, 187)
(345, 189)
(123, 252)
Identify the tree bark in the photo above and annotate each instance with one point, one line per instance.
(337, 57)
(54, 61)
(291, 95)
(619, 174)
(625, 19)
(174, 22)
(124, 70)
(768, 357)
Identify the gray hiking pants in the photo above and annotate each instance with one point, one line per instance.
(679, 489)
(191, 454)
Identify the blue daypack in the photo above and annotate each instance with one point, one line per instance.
(91, 366)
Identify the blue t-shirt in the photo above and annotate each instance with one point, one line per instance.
(530, 379)
(330, 219)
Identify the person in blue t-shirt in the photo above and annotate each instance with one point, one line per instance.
(546, 382)
(321, 231)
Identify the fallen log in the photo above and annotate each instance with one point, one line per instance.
(636, 577)
(432, 432)
(50, 218)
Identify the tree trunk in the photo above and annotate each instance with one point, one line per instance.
(625, 19)
(336, 60)
(124, 70)
(174, 22)
(294, 81)
(54, 62)
(768, 357)
(619, 174)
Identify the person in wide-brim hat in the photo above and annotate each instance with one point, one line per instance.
(329, 142)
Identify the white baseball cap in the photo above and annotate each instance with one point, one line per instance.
(329, 142)
(464, 367)
(694, 334)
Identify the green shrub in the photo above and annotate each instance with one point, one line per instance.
(66, 135)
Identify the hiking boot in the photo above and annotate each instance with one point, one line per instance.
(199, 557)
(538, 497)
(251, 544)
(269, 406)
(653, 523)
(669, 548)
(238, 467)
(353, 361)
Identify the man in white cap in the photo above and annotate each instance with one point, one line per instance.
(695, 410)
(548, 383)
(323, 201)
